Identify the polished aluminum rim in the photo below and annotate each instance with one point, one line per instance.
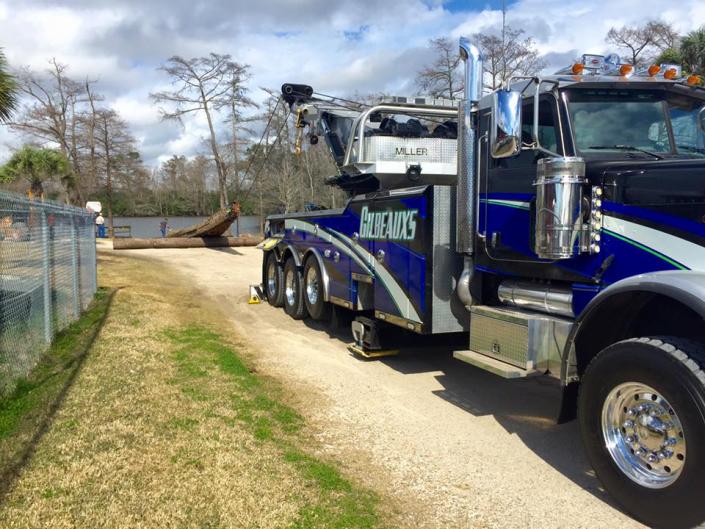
(643, 435)
(289, 290)
(312, 286)
(272, 277)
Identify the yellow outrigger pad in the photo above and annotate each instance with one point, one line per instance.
(255, 295)
(269, 243)
(357, 350)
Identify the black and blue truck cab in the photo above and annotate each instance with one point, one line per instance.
(558, 223)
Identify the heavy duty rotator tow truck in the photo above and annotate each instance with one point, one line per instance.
(559, 222)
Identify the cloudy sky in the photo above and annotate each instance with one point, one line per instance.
(338, 47)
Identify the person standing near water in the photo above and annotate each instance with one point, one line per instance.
(100, 223)
(164, 227)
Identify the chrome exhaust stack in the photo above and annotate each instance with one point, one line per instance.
(465, 197)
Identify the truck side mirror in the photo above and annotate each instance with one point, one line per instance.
(505, 133)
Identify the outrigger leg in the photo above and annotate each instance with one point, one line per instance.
(367, 342)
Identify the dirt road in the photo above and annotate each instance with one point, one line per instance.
(458, 446)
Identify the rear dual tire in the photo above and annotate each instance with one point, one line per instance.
(294, 304)
(301, 294)
(273, 281)
(314, 290)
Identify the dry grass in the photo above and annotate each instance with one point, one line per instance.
(26, 412)
(166, 427)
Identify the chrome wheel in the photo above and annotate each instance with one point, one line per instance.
(643, 435)
(290, 288)
(272, 278)
(312, 285)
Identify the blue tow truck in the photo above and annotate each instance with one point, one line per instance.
(557, 224)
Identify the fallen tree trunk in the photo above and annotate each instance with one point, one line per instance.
(184, 242)
(214, 226)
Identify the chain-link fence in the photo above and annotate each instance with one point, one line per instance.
(47, 277)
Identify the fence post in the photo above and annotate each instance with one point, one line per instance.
(74, 270)
(46, 265)
(94, 253)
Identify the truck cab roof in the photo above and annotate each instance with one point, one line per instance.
(563, 82)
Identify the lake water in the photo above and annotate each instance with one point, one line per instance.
(149, 226)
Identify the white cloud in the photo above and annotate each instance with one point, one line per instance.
(137, 112)
(366, 46)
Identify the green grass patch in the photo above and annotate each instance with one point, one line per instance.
(184, 423)
(196, 394)
(338, 504)
(51, 493)
(52, 370)
(29, 407)
(326, 476)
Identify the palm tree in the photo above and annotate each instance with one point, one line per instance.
(36, 166)
(693, 51)
(8, 90)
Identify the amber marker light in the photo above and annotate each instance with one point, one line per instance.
(654, 69)
(625, 69)
(670, 74)
(578, 68)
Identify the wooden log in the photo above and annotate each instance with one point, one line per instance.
(213, 226)
(184, 242)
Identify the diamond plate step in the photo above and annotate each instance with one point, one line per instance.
(493, 365)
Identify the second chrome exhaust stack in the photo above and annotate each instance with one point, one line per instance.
(466, 200)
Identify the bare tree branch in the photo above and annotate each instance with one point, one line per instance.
(203, 84)
(513, 56)
(441, 78)
(643, 43)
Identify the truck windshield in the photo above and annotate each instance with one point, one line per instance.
(684, 113)
(636, 121)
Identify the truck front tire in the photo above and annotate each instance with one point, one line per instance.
(273, 281)
(317, 307)
(294, 304)
(641, 410)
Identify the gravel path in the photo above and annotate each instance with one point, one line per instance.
(457, 446)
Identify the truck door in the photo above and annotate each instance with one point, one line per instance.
(507, 192)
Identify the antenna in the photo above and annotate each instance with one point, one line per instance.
(504, 41)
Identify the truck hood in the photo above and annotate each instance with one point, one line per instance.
(673, 187)
(679, 165)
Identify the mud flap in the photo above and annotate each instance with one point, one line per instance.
(568, 407)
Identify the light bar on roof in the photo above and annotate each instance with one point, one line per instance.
(593, 65)
(594, 62)
(669, 72)
(672, 71)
